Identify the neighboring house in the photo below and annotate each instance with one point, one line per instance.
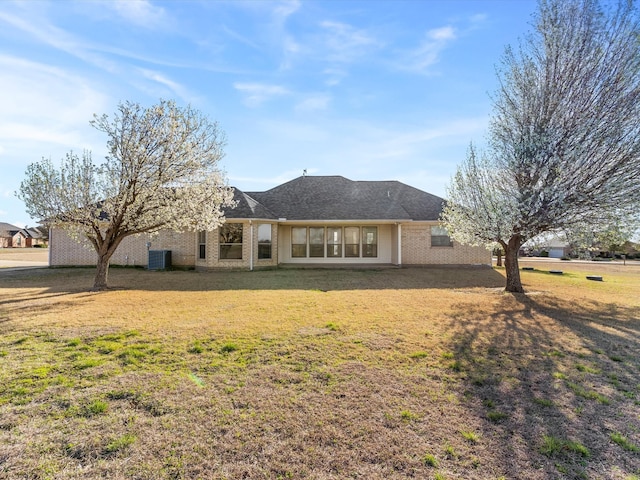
(558, 248)
(310, 220)
(11, 236)
(35, 236)
(16, 237)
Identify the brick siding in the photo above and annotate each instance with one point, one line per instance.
(417, 249)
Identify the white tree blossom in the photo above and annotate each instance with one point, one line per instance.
(564, 138)
(161, 172)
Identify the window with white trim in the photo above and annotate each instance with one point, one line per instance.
(316, 241)
(351, 241)
(334, 242)
(298, 242)
(202, 245)
(264, 241)
(231, 241)
(369, 241)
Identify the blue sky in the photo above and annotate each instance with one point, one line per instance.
(371, 90)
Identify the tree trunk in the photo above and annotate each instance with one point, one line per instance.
(498, 257)
(512, 269)
(102, 273)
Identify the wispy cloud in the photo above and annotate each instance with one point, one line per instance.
(258, 93)
(345, 43)
(47, 107)
(166, 83)
(139, 12)
(285, 9)
(313, 103)
(57, 38)
(421, 59)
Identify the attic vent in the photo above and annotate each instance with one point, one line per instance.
(388, 194)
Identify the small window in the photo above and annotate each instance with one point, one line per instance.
(316, 241)
(299, 242)
(351, 241)
(440, 237)
(202, 245)
(264, 241)
(334, 242)
(231, 241)
(369, 241)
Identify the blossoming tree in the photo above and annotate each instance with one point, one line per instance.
(161, 172)
(564, 139)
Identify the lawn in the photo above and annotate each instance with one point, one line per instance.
(426, 373)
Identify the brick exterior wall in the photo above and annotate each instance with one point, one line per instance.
(415, 238)
(417, 249)
(66, 251)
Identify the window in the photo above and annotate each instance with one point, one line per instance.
(316, 241)
(264, 241)
(231, 241)
(299, 241)
(334, 242)
(202, 245)
(440, 237)
(351, 241)
(369, 241)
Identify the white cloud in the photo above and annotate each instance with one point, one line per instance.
(138, 12)
(421, 59)
(48, 108)
(313, 103)
(344, 43)
(285, 9)
(57, 38)
(175, 87)
(258, 93)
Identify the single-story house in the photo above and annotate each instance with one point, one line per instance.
(318, 220)
(16, 237)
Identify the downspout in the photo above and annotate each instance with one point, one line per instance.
(251, 245)
(399, 245)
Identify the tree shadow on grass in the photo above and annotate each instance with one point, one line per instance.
(552, 381)
(74, 280)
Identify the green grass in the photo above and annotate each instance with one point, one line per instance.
(624, 442)
(470, 436)
(583, 392)
(543, 402)
(431, 460)
(496, 416)
(553, 446)
(120, 443)
(228, 347)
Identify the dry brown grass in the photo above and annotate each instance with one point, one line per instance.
(320, 374)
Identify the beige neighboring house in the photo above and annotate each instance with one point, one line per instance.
(16, 237)
(311, 220)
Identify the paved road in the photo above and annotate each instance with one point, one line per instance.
(6, 265)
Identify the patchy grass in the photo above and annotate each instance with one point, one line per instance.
(258, 375)
(624, 442)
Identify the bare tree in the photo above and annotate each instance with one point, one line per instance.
(160, 173)
(564, 134)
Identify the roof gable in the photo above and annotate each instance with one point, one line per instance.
(8, 230)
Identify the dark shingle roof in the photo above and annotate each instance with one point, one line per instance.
(247, 207)
(338, 198)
